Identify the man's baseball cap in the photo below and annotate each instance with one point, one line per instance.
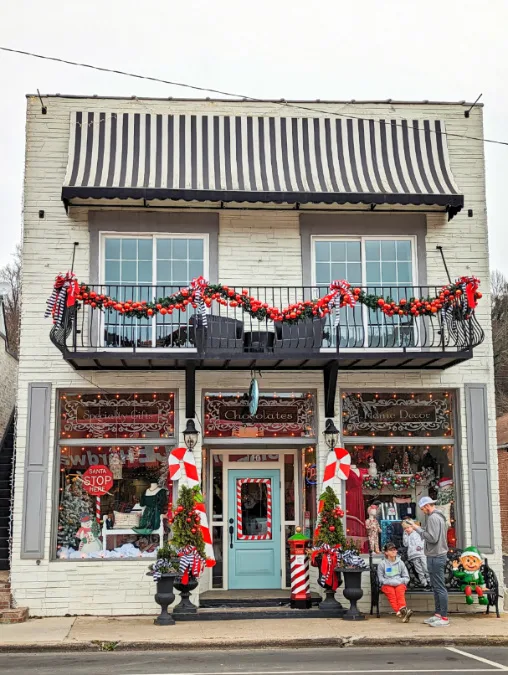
(425, 501)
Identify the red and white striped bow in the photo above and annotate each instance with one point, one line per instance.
(342, 295)
(65, 291)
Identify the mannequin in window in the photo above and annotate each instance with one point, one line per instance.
(154, 503)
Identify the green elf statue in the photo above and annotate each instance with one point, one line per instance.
(471, 578)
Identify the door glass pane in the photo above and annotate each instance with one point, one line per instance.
(389, 273)
(196, 249)
(145, 248)
(254, 507)
(128, 263)
(179, 260)
(340, 259)
(112, 251)
(322, 250)
(180, 249)
(129, 249)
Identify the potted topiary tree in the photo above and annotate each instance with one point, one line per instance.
(189, 542)
(329, 541)
(164, 571)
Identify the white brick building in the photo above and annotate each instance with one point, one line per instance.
(159, 192)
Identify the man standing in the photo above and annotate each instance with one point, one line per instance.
(436, 549)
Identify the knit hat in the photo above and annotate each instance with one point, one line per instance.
(472, 552)
(444, 482)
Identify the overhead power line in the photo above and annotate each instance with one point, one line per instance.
(220, 92)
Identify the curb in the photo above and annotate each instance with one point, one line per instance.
(357, 641)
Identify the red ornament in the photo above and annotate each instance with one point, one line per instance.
(179, 509)
(188, 520)
(332, 528)
(193, 530)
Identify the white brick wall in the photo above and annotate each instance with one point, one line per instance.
(255, 247)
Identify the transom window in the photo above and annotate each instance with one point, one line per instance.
(381, 265)
(147, 267)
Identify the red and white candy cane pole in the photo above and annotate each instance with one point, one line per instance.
(98, 509)
(338, 465)
(300, 576)
(185, 457)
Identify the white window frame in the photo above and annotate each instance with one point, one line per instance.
(363, 261)
(104, 236)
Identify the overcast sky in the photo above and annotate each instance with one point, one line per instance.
(332, 49)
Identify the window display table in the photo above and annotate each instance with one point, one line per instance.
(129, 531)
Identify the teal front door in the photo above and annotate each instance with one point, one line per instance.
(253, 529)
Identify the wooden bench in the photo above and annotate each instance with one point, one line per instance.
(451, 582)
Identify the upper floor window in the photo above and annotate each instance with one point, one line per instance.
(154, 260)
(147, 267)
(365, 261)
(383, 266)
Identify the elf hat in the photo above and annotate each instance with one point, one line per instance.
(471, 552)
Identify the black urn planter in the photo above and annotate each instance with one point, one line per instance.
(353, 592)
(330, 603)
(185, 606)
(164, 597)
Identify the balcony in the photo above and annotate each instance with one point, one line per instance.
(230, 338)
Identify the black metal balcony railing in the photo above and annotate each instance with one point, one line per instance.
(232, 331)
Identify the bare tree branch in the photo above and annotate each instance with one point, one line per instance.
(11, 274)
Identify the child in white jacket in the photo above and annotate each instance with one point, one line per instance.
(413, 540)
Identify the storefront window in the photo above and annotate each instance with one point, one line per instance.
(389, 472)
(113, 498)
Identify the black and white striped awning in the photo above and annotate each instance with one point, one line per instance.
(259, 159)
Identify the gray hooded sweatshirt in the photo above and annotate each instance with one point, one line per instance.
(434, 534)
(392, 573)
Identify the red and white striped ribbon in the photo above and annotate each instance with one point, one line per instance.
(239, 516)
(179, 457)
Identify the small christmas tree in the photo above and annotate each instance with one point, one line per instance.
(396, 466)
(329, 529)
(75, 502)
(185, 524)
(406, 468)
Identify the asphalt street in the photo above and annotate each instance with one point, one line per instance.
(402, 661)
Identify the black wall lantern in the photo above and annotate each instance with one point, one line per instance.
(331, 434)
(190, 435)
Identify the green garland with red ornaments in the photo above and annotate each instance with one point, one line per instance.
(463, 294)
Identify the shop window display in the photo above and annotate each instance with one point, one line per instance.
(389, 474)
(113, 498)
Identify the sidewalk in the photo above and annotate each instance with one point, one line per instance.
(139, 632)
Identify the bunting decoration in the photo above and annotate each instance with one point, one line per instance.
(461, 295)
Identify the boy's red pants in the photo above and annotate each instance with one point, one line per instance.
(396, 596)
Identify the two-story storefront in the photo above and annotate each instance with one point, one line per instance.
(271, 204)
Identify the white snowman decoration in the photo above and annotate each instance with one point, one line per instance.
(372, 468)
(88, 541)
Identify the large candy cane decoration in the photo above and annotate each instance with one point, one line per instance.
(179, 457)
(338, 464)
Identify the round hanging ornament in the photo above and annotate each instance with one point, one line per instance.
(253, 396)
